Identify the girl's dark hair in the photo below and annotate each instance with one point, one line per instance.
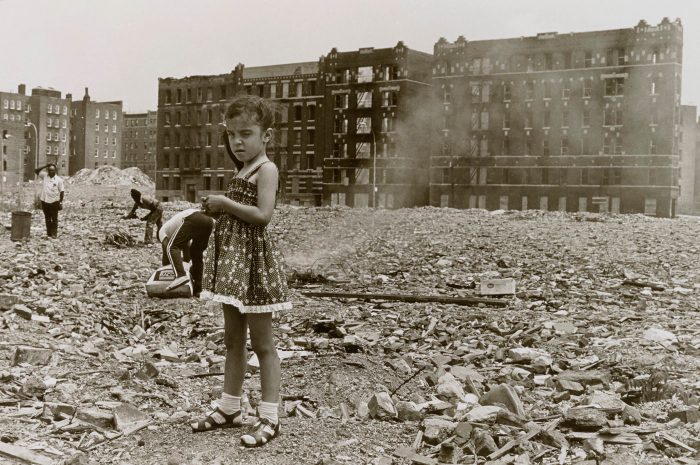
(259, 109)
(136, 195)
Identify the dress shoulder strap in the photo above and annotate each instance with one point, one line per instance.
(255, 170)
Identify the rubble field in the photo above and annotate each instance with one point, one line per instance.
(591, 359)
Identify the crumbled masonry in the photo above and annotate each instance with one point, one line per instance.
(584, 364)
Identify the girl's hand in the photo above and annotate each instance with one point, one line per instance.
(215, 203)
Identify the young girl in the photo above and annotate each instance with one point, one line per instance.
(243, 270)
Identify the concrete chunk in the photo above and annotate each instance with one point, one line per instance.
(436, 430)
(586, 378)
(381, 406)
(505, 395)
(31, 355)
(127, 416)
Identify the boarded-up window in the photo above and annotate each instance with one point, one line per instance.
(364, 125)
(364, 100)
(362, 150)
(364, 74)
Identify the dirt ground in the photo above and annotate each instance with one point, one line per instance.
(608, 293)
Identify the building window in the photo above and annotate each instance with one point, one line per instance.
(654, 115)
(607, 149)
(620, 56)
(506, 91)
(565, 118)
(114, 115)
(529, 90)
(341, 101)
(617, 176)
(564, 145)
(618, 147)
(528, 146)
(652, 146)
(390, 72)
(547, 118)
(389, 98)
(654, 56)
(586, 117)
(528, 118)
(484, 120)
(178, 99)
(548, 62)
(614, 86)
(547, 90)
(364, 99)
(588, 59)
(476, 93)
(311, 110)
(609, 57)
(297, 113)
(364, 74)
(654, 87)
(545, 149)
(97, 111)
(364, 125)
(506, 145)
(311, 137)
(565, 89)
(587, 88)
(506, 119)
(285, 90)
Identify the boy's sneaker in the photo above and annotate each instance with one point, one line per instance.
(177, 282)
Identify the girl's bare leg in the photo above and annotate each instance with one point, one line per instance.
(235, 333)
(263, 344)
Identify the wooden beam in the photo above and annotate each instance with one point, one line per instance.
(408, 298)
(24, 454)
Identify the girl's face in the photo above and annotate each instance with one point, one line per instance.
(246, 137)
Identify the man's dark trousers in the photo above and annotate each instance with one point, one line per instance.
(197, 228)
(51, 216)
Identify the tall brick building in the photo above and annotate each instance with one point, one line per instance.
(38, 126)
(688, 159)
(578, 122)
(96, 134)
(191, 158)
(374, 101)
(139, 141)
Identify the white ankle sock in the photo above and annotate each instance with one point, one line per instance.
(229, 404)
(269, 410)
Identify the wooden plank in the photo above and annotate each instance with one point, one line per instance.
(515, 442)
(24, 454)
(409, 298)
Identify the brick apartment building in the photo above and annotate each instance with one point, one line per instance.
(96, 134)
(139, 141)
(374, 100)
(688, 160)
(38, 126)
(577, 122)
(191, 157)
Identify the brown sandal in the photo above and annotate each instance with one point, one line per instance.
(265, 431)
(218, 420)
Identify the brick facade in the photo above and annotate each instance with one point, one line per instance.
(586, 121)
(96, 134)
(139, 141)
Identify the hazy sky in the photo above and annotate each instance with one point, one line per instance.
(120, 48)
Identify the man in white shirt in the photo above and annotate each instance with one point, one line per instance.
(186, 234)
(51, 197)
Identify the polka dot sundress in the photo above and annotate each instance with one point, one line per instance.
(243, 267)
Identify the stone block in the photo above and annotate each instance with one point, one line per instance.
(31, 355)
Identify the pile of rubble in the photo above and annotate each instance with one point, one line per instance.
(591, 357)
(111, 176)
